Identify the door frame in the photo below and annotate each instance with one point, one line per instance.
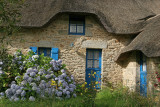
(143, 69)
(100, 64)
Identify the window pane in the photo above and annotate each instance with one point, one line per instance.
(40, 51)
(90, 55)
(96, 63)
(49, 52)
(90, 64)
(80, 29)
(79, 22)
(96, 54)
(72, 28)
(144, 63)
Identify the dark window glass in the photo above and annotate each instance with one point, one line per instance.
(45, 51)
(77, 25)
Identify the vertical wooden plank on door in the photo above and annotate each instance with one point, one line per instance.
(143, 75)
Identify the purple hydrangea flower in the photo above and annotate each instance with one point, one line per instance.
(34, 88)
(72, 78)
(17, 77)
(35, 70)
(32, 74)
(38, 90)
(23, 93)
(25, 77)
(71, 89)
(40, 73)
(68, 96)
(59, 94)
(63, 71)
(18, 91)
(29, 70)
(48, 76)
(13, 86)
(67, 92)
(38, 78)
(1, 63)
(1, 94)
(72, 86)
(1, 72)
(30, 79)
(23, 83)
(31, 98)
(23, 98)
(16, 99)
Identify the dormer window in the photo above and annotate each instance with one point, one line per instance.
(76, 25)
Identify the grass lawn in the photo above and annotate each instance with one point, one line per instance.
(104, 98)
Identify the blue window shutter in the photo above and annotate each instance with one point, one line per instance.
(34, 49)
(54, 53)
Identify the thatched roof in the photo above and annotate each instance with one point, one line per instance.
(117, 16)
(148, 41)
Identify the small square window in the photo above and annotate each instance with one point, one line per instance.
(77, 25)
(45, 51)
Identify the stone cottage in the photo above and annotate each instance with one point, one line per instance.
(118, 39)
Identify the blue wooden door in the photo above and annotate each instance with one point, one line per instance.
(143, 75)
(93, 66)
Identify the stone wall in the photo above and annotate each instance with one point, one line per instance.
(152, 68)
(73, 47)
(130, 72)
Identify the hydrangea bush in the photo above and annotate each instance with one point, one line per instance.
(38, 77)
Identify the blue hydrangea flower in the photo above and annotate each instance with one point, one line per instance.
(56, 78)
(1, 94)
(18, 91)
(1, 63)
(72, 86)
(23, 82)
(35, 70)
(34, 57)
(23, 98)
(25, 77)
(64, 75)
(29, 70)
(38, 78)
(68, 96)
(14, 91)
(24, 62)
(63, 71)
(21, 67)
(40, 73)
(30, 79)
(67, 92)
(34, 88)
(64, 91)
(13, 86)
(59, 94)
(38, 90)
(1, 72)
(71, 89)
(13, 82)
(17, 77)
(23, 93)
(72, 78)
(8, 92)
